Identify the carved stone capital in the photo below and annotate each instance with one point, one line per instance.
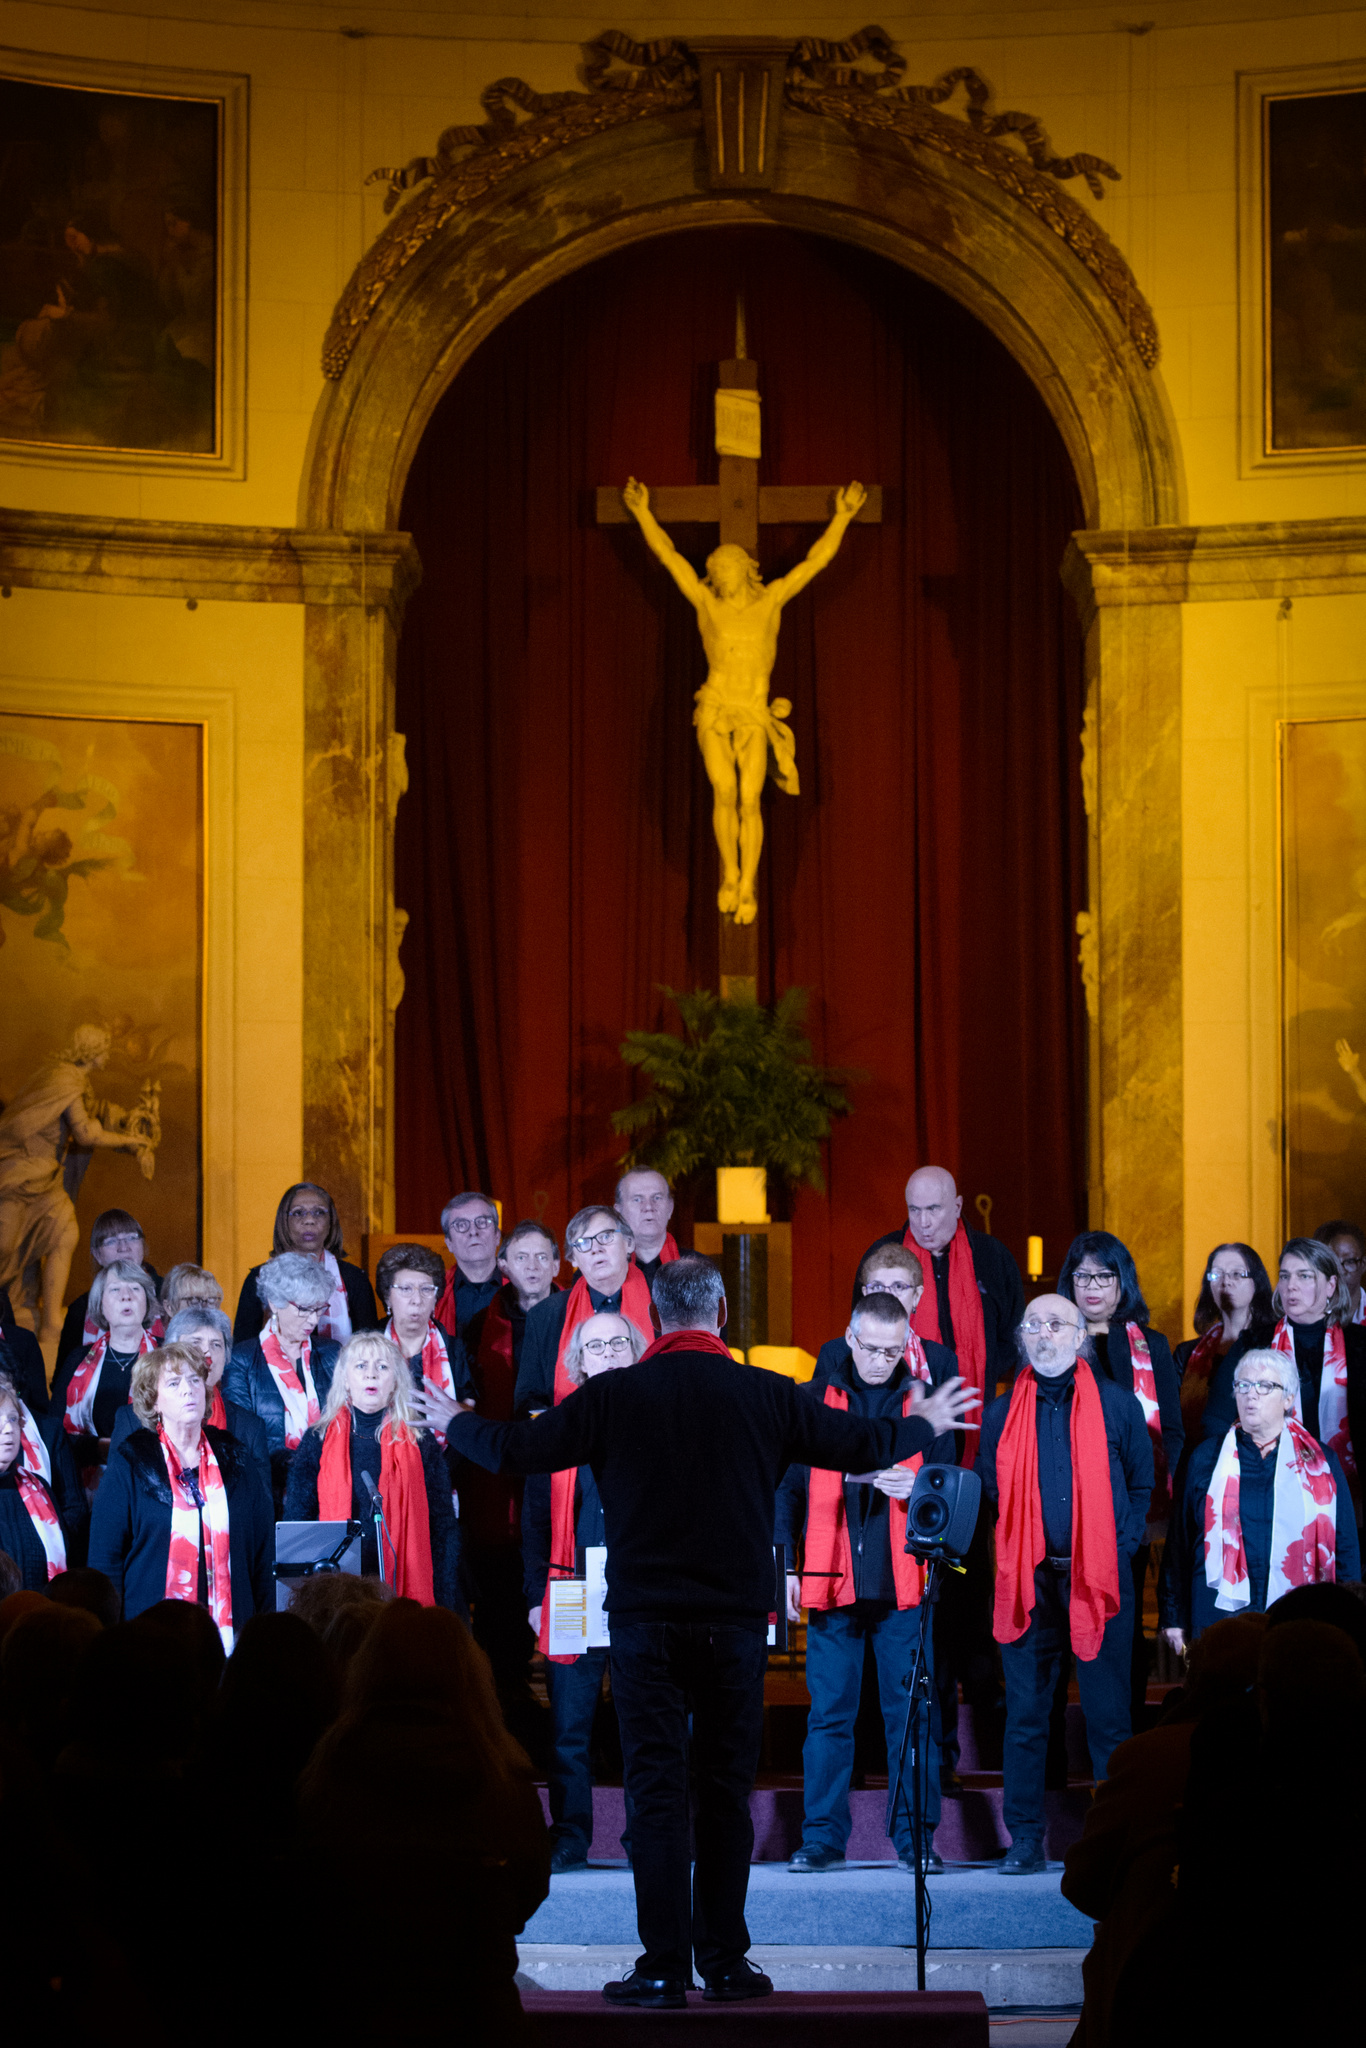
(1192, 564)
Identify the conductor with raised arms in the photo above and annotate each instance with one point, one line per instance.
(687, 1450)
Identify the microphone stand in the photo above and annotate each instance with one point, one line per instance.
(382, 1535)
(914, 1735)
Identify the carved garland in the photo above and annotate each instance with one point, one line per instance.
(823, 78)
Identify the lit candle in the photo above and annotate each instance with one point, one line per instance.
(1034, 1258)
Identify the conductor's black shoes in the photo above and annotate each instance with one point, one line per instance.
(931, 1862)
(568, 1854)
(1024, 1858)
(744, 1981)
(637, 1990)
(816, 1858)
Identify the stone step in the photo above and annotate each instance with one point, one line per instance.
(1037, 1980)
(865, 1905)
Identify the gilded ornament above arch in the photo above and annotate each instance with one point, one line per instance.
(856, 82)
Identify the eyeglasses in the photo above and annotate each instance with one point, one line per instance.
(1260, 1387)
(1036, 1326)
(1214, 1276)
(1084, 1277)
(476, 1228)
(308, 1215)
(118, 1245)
(888, 1356)
(423, 1292)
(1351, 1265)
(311, 1314)
(596, 1346)
(586, 1244)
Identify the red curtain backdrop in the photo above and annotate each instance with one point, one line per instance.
(555, 850)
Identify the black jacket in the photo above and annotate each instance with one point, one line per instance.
(1185, 1597)
(687, 1450)
(248, 1383)
(250, 1319)
(17, 1535)
(541, 1347)
(1117, 1365)
(301, 1505)
(21, 1356)
(462, 1379)
(1001, 1288)
(72, 1338)
(590, 1527)
(248, 1429)
(1131, 1460)
(130, 1529)
(866, 1510)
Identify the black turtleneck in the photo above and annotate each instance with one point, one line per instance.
(1309, 1339)
(366, 1455)
(1053, 1418)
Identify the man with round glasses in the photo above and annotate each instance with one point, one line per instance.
(858, 1584)
(1067, 1462)
(1265, 1507)
(469, 1224)
(599, 1244)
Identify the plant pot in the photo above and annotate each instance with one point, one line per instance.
(741, 1194)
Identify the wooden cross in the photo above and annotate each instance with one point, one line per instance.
(740, 505)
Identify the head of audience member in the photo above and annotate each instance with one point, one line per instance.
(280, 1690)
(1052, 1336)
(530, 1259)
(1235, 1291)
(1347, 1242)
(422, 1664)
(341, 1609)
(1221, 1666)
(170, 1391)
(371, 1378)
(123, 1302)
(469, 1224)
(188, 1286)
(1329, 1601)
(643, 1198)
(599, 1244)
(209, 1330)
(1311, 1688)
(11, 1576)
(1100, 1277)
(294, 1291)
(933, 1207)
(307, 1222)
(116, 1235)
(1265, 1388)
(1310, 1285)
(891, 1269)
(689, 1294)
(408, 1279)
(193, 1628)
(876, 1337)
(43, 1650)
(137, 1703)
(86, 1588)
(601, 1343)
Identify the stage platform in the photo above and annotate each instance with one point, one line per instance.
(1008, 1980)
(918, 2019)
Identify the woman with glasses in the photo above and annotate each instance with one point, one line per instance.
(599, 1244)
(562, 1515)
(1266, 1507)
(307, 1223)
(1233, 1314)
(410, 1279)
(1347, 1241)
(1330, 1352)
(1099, 1275)
(114, 1235)
(284, 1374)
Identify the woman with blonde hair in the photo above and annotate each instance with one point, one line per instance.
(187, 1286)
(89, 1390)
(369, 1431)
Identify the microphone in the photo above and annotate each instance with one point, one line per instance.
(370, 1487)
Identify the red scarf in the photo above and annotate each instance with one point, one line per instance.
(1019, 1528)
(829, 1556)
(216, 1414)
(436, 1364)
(444, 1312)
(635, 1306)
(686, 1340)
(404, 1492)
(668, 1251)
(1304, 1532)
(34, 1482)
(491, 1502)
(1145, 1387)
(1195, 1380)
(917, 1365)
(965, 1310)
(182, 1556)
(84, 1384)
(1334, 1426)
(295, 1385)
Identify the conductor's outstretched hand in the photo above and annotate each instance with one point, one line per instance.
(947, 1407)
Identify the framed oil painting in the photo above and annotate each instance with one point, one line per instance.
(1323, 979)
(120, 330)
(1302, 244)
(101, 953)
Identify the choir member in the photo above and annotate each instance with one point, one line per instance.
(1067, 1463)
(89, 1391)
(410, 1279)
(187, 1285)
(307, 1223)
(283, 1375)
(644, 1199)
(182, 1513)
(1314, 1304)
(599, 1245)
(1266, 1507)
(21, 1356)
(1348, 1242)
(1233, 1314)
(114, 1235)
(210, 1332)
(469, 1224)
(369, 1427)
(42, 1503)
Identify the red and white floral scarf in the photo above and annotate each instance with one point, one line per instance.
(917, 1365)
(334, 1324)
(297, 1390)
(34, 1481)
(1334, 1432)
(182, 1558)
(1303, 1521)
(84, 1384)
(1145, 1387)
(436, 1364)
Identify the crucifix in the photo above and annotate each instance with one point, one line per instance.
(738, 616)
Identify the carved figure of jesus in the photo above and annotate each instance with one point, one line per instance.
(738, 616)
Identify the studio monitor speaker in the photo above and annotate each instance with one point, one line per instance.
(941, 1513)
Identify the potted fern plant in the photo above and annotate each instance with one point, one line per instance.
(736, 1089)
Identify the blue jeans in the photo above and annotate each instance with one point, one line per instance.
(835, 1643)
(660, 1671)
(1032, 1667)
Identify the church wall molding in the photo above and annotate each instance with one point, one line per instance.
(1214, 564)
